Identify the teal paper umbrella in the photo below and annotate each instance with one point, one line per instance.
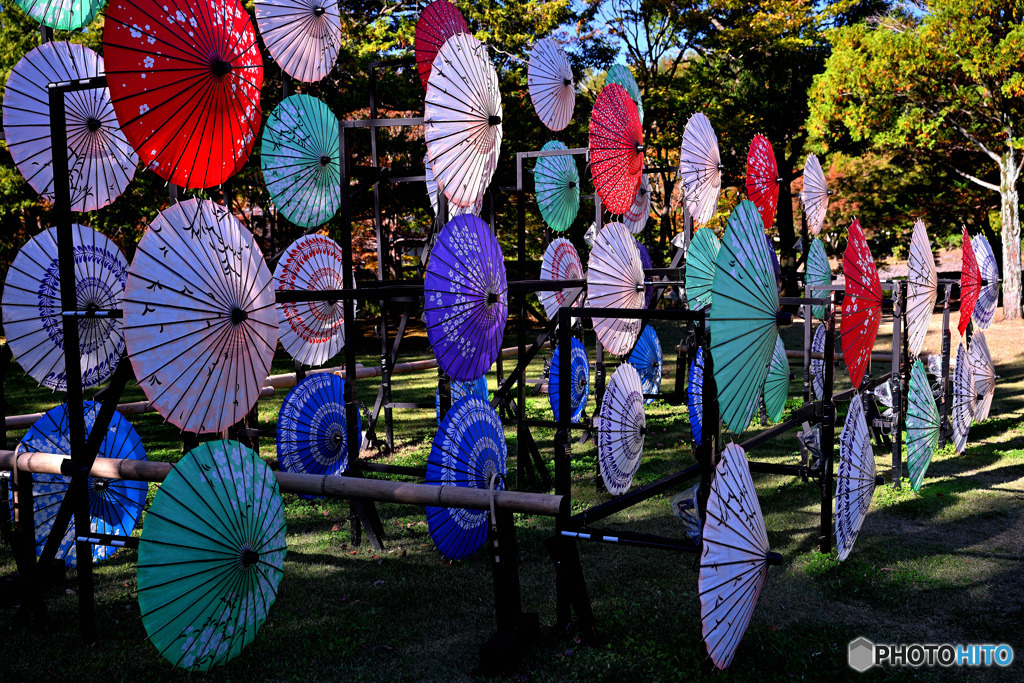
(819, 272)
(211, 555)
(922, 425)
(776, 384)
(744, 301)
(623, 76)
(63, 15)
(700, 268)
(556, 181)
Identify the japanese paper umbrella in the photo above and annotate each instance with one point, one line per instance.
(734, 561)
(462, 119)
(635, 218)
(922, 283)
(615, 279)
(700, 169)
(984, 374)
(32, 311)
(988, 297)
(115, 505)
(647, 358)
(556, 183)
(701, 260)
(818, 366)
(438, 22)
(101, 163)
(862, 304)
(776, 382)
(616, 149)
(311, 427)
(311, 332)
(211, 555)
(922, 425)
(560, 262)
(646, 264)
(549, 79)
(302, 36)
(469, 450)
(818, 272)
(199, 318)
(763, 179)
(620, 430)
(814, 196)
(460, 390)
(301, 160)
(695, 395)
(855, 479)
(466, 298)
(965, 398)
(579, 379)
(621, 75)
(744, 302)
(432, 189)
(185, 80)
(63, 15)
(970, 284)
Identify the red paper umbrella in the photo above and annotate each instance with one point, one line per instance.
(185, 82)
(616, 148)
(439, 21)
(970, 284)
(862, 305)
(763, 179)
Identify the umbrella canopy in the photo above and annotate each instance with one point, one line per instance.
(311, 427)
(744, 302)
(101, 163)
(560, 262)
(453, 210)
(701, 262)
(615, 279)
(311, 332)
(695, 395)
(700, 169)
(301, 160)
(984, 374)
(862, 305)
(776, 382)
(855, 479)
(734, 562)
(579, 381)
(549, 78)
(303, 36)
(63, 15)
(647, 358)
(199, 319)
(211, 555)
(460, 390)
(620, 74)
(922, 283)
(438, 22)
(185, 80)
(556, 183)
(646, 264)
(988, 296)
(466, 298)
(814, 196)
(818, 366)
(965, 398)
(32, 309)
(763, 179)
(818, 272)
(635, 218)
(616, 149)
(970, 284)
(922, 425)
(468, 450)
(115, 505)
(462, 119)
(620, 430)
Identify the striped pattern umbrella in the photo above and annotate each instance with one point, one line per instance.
(700, 169)
(303, 36)
(560, 262)
(922, 288)
(965, 398)
(855, 479)
(988, 297)
(814, 196)
(635, 218)
(549, 79)
(818, 366)
(620, 430)
(615, 279)
(984, 372)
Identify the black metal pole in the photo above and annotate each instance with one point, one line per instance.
(828, 435)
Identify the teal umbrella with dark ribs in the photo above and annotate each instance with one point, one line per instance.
(922, 425)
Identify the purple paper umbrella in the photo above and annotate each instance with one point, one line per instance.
(466, 298)
(645, 261)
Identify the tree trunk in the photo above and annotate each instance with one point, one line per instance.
(1010, 220)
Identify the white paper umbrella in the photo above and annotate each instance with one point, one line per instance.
(199, 318)
(615, 279)
(814, 196)
(549, 78)
(700, 169)
(303, 36)
(462, 119)
(922, 282)
(621, 429)
(818, 366)
(311, 332)
(453, 210)
(734, 562)
(984, 373)
(32, 309)
(635, 219)
(965, 398)
(988, 299)
(855, 480)
(561, 262)
(101, 163)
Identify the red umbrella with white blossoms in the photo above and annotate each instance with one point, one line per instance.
(763, 179)
(862, 304)
(970, 284)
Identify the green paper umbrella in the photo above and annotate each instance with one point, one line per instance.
(63, 15)
(744, 301)
(700, 268)
(776, 383)
(819, 272)
(556, 181)
(922, 425)
(211, 555)
(623, 76)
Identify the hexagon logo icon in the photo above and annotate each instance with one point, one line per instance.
(862, 654)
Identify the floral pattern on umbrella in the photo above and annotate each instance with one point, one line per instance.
(862, 305)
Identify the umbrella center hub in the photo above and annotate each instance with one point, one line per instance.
(337, 438)
(566, 82)
(220, 67)
(319, 11)
(250, 557)
(238, 316)
(494, 120)
(572, 184)
(639, 286)
(101, 485)
(492, 297)
(639, 149)
(92, 123)
(324, 160)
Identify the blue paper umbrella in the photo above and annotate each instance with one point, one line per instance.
(646, 358)
(460, 390)
(115, 505)
(468, 449)
(311, 429)
(695, 395)
(579, 369)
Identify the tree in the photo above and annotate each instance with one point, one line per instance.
(945, 80)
